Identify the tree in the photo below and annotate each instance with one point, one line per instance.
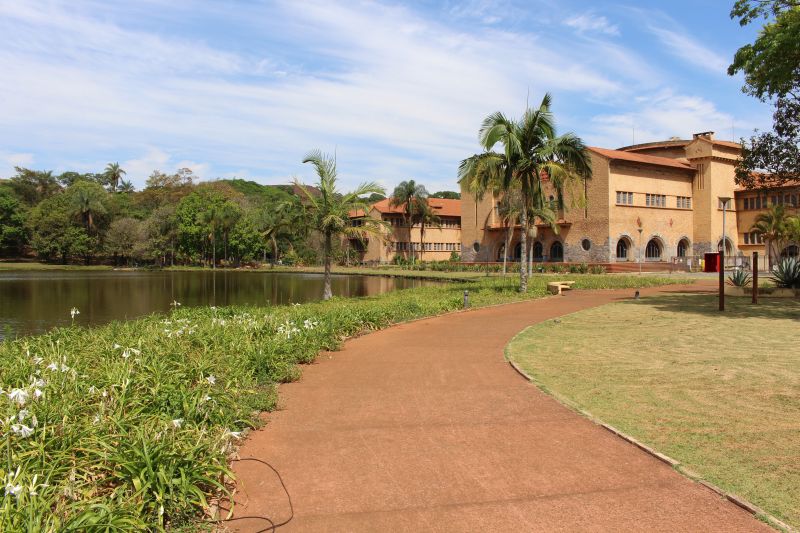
(210, 218)
(126, 239)
(427, 217)
(408, 196)
(54, 233)
(532, 154)
(33, 186)
(772, 225)
(448, 195)
(329, 211)
(88, 201)
(375, 197)
(161, 228)
(274, 222)
(126, 187)
(12, 223)
(113, 175)
(771, 67)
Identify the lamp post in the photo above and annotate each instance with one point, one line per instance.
(640, 250)
(724, 201)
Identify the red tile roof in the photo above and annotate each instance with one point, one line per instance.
(443, 207)
(619, 155)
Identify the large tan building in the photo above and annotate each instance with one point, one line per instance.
(654, 202)
(438, 243)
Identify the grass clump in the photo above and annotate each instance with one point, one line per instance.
(131, 425)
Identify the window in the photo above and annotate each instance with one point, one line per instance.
(683, 248)
(683, 202)
(556, 251)
(622, 249)
(655, 200)
(653, 250)
(586, 244)
(476, 247)
(624, 198)
(538, 251)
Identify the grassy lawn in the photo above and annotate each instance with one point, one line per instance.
(130, 425)
(719, 393)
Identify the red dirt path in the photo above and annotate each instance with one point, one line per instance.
(425, 426)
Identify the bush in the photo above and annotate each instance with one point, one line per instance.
(597, 269)
(739, 278)
(787, 273)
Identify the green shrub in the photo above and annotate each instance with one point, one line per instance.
(739, 278)
(597, 269)
(787, 273)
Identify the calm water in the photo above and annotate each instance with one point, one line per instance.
(33, 302)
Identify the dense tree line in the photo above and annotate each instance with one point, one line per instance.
(173, 220)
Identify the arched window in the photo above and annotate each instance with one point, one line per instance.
(501, 252)
(653, 250)
(791, 251)
(622, 250)
(556, 251)
(517, 251)
(538, 251)
(683, 248)
(728, 246)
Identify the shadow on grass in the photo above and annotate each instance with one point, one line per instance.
(700, 303)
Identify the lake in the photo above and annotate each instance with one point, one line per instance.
(34, 302)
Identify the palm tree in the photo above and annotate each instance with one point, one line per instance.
(328, 211)
(275, 222)
(125, 186)
(87, 201)
(408, 194)
(531, 151)
(211, 219)
(113, 174)
(509, 210)
(427, 217)
(772, 225)
(228, 217)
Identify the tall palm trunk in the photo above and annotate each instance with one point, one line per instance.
(326, 291)
(274, 251)
(523, 260)
(509, 229)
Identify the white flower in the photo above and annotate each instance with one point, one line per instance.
(38, 382)
(96, 419)
(22, 430)
(233, 434)
(64, 368)
(212, 380)
(52, 366)
(22, 415)
(207, 398)
(74, 312)
(92, 389)
(117, 346)
(37, 393)
(177, 423)
(175, 303)
(20, 396)
(34, 421)
(37, 360)
(13, 490)
(310, 324)
(105, 394)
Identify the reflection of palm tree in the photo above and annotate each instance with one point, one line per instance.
(329, 211)
(408, 195)
(426, 217)
(113, 175)
(532, 154)
(772, 225)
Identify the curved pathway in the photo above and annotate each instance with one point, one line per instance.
(425, 426)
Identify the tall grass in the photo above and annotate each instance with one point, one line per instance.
(130, 425)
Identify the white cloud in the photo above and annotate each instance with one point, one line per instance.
(10, 160)
(690, 50)
(591, 22)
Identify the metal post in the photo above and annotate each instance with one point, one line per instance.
(466, 299)
(755, 277)
(722, 277)
(640, 251)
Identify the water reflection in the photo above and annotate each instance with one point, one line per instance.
(33, 302)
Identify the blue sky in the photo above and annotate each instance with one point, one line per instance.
(397, 89)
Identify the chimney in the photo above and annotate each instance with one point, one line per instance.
(705, 135)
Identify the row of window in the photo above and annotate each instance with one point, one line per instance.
(445, 223)
(761, 202)
(654, 200)
(428, 246)
(753, 238)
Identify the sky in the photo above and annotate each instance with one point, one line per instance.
(397, 90)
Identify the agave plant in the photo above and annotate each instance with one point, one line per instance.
(787, 273)
(739, 278)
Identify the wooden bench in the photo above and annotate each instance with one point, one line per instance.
(555, 287)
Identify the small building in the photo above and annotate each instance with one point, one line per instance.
(438, 243)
